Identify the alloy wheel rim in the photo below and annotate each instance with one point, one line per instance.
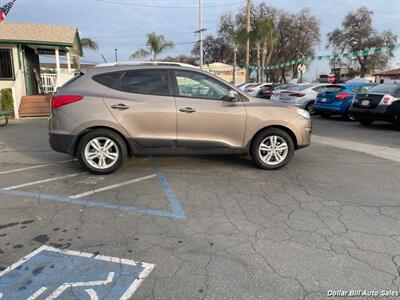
(101, 153)
(273, 150)
(310, 109)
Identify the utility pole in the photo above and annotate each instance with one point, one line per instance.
(248, 40)
(116, 54)
(201, 34)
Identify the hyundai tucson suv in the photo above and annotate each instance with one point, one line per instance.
(112, 112)
(380, 103)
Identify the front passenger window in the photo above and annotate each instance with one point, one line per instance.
(196, 85)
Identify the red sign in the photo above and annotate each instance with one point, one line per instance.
(331, 79)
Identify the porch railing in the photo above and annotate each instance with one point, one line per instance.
(49, 83)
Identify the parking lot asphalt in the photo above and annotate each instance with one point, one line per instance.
(213, 227)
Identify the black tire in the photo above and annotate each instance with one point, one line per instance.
(310, 108)
(365, 121)
(102, 133)
(397, 124)
(259, 138)
(325, 115)
(348, 117)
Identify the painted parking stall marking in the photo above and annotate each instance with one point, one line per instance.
(35, 167)
(176, 211)
(49, 273)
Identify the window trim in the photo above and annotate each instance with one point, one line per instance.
(176, 89)
(12, 78)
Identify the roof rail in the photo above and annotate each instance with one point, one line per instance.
(138, 63)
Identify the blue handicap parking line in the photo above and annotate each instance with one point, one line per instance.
(50, 273)
(176, 211)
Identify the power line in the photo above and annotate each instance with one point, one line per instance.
(162, 6)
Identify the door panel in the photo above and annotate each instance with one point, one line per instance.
(213, 124)
(205, 116)
(150, 119)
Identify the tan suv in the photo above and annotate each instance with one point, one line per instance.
(121, 110)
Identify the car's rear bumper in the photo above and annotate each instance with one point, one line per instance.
(64, 143)
(380, 113)
(336, 108)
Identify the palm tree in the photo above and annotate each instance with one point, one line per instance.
(239, 37)
(155, 45)
(264, 35)
(90, 44)
(86, 43)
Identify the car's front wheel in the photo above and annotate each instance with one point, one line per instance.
(101, 151)
(272, 149)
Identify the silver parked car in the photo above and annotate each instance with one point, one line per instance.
(279, 88)
(303, 95)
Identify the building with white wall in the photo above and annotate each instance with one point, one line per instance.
(21, 44)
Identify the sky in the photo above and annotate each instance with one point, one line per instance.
(123, 24)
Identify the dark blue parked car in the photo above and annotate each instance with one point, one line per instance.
(336, 99)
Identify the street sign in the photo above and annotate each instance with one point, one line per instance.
(50, 273)
(301, 68)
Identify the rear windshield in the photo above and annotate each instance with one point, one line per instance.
(76, 77)
(331, 89)
(386, 88)
(300, 87)
(284, 86)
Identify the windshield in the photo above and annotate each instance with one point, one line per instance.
(385, 88)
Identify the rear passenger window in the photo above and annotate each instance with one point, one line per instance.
(150, 82)
(108, 79)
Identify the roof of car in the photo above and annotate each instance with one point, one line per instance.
(141, 63)
(125, 66)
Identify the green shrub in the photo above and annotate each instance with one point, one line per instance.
(6, 100)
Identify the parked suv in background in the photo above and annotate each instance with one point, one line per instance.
(113, 112)
(380, 103)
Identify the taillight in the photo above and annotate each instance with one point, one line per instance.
(386, 100)
(342, 96)
(297, 95)
(58, 101)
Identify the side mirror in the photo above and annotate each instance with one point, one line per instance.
(233, 96)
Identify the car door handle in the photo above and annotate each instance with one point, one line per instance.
(187, 110)
(120, 106)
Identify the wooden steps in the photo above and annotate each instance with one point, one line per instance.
(35, 106)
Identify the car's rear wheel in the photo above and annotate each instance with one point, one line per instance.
(348, 117)
(101, 151)
(365, 121)
(325, 115)
(272, 149)
(310, 108)
(397, 124)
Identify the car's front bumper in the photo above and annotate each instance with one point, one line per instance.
(302, 128)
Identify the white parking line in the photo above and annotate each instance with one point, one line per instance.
(391, 153)
(40, 181)
(34, 167)
(110, 187)
(37, 293)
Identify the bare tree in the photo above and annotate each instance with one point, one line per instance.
(357, 33)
